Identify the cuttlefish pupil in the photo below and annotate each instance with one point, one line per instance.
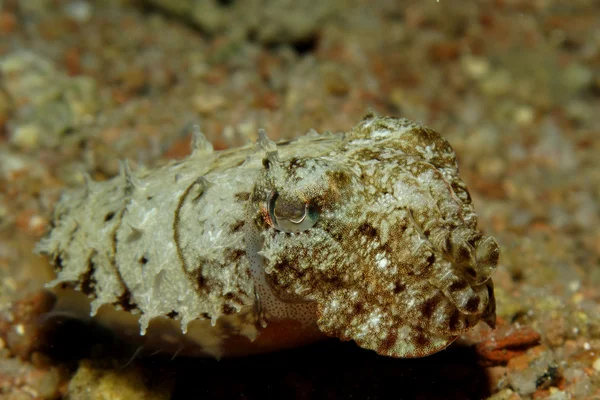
(291, 216)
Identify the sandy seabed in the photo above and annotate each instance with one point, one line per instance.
(514, 85)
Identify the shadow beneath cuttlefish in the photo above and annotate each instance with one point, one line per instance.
(334, 370)
(326, 370)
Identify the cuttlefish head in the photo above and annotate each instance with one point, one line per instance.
(381, 236)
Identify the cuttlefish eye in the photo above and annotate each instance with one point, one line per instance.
(291, 216)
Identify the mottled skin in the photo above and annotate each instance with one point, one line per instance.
(371, 234)
(395, 261)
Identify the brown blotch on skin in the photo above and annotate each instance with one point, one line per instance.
(388, 342)
(468, 323)
(235, 254)
(237, 226)
(399, 287)
(126, 302)
(294, 163)
(367, 155)
(429, 136)
(198, 278)
(473, 241)
(58, 262)
(428, 308)
(431, 259)
(266, 163)
(294, 274)
(282, 265)
(421, 340)
(471, 271)
(368, 230)
(492, 257)
(88, 281)
(458, 286)
(334, 282)
(454, 321)
(109, 216)
(228, 309)
(458, 188)
(242, 196)
(339, 178)
(299, 274)
(489, 314)
(233, 298)
(282, 282)
(473, 304)
(274, 280)
(462, 254)
(337, 234)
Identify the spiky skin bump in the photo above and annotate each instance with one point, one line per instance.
(394, 260)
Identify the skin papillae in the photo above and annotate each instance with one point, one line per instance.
(368, 235)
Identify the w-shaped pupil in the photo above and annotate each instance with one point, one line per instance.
(291, 216)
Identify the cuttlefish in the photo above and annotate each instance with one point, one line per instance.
(368, 235)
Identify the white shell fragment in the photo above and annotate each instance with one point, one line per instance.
(369, 235)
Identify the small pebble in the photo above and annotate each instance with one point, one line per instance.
(476, 67)
(596, 364)
(80, 11)
(20, 329)
(336, 83)
(577, 76)
(26, 136)
(208, 103)
(524, 115)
